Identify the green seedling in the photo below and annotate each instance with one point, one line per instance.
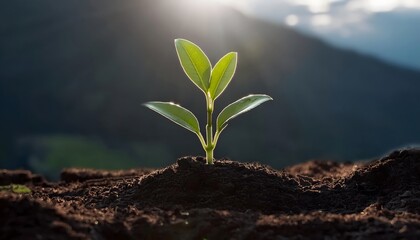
(212, 81)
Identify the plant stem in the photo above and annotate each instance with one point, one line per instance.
(209, 132)
(209, 156)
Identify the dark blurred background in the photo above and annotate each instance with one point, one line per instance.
(73, 76)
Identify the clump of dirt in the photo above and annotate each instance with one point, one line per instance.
(19, 177)
(227, 200)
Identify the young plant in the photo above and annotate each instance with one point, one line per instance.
(212, 82)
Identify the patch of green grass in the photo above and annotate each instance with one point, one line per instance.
(15, 188)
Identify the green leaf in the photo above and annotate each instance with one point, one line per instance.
(194, 62)
(176, 114)
(222, 74)
(240, 106)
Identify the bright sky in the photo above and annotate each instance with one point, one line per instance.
(353, 9)
(383, 28)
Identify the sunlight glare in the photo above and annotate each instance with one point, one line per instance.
(292, 20)
(321, 20)
(215, 1)
(318, 6)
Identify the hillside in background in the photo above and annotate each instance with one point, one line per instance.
(83, 68)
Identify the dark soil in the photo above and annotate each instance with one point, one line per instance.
(227, 200)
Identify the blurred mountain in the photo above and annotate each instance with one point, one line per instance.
(384, 29)
(84, 68)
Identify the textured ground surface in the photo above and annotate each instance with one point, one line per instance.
(229, 200)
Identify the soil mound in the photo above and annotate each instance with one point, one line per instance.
(313, 186)
(225, 185)
(393, 181)
(399, 171)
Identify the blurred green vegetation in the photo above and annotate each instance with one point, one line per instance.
(49, 154)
